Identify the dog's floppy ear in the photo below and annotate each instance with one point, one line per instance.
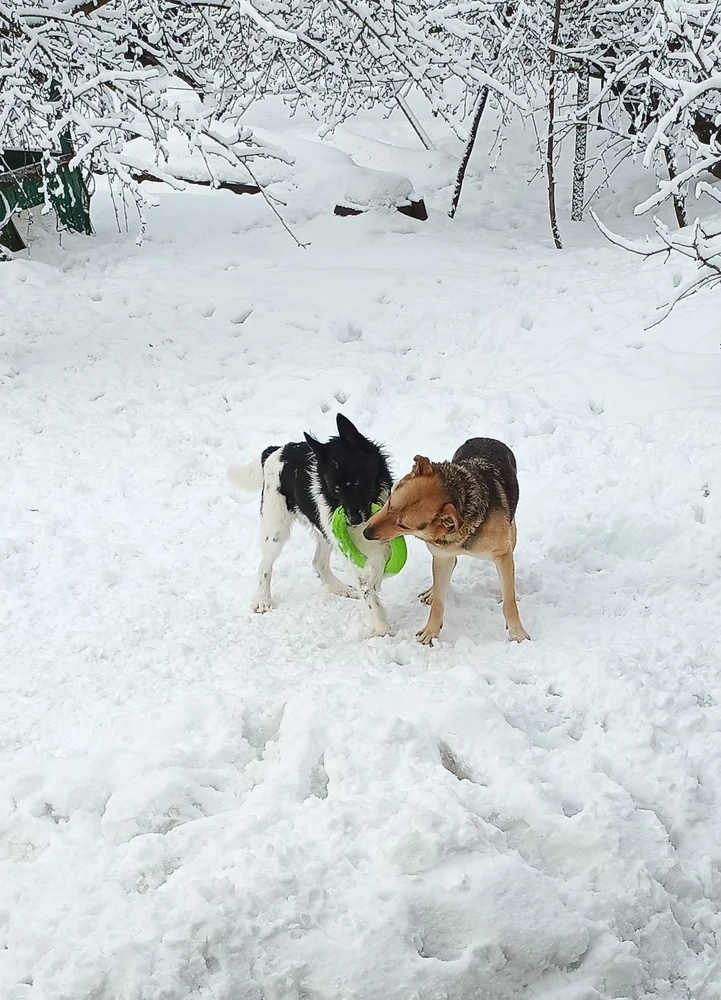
(316, 447)
(348, 430)
(421, 466)
(449, 517)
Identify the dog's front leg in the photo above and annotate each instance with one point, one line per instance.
(369, 584)
(321, 564)
(442, 573)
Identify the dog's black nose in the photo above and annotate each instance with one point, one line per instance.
(368, 533)
(355, 518)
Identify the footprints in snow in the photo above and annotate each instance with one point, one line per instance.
(239, 317)
(348, 333)
(340, 397)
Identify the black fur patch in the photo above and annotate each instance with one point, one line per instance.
(493, 464)
(348, 471)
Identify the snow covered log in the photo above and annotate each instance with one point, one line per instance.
(413, 209)
(312, 174)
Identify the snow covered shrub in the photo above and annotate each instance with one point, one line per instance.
(102, 72)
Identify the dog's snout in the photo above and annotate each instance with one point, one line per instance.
(355, 518)
(369, 534)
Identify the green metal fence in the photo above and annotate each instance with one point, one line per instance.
(25, 177)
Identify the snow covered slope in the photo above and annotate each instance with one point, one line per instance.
(196, 802)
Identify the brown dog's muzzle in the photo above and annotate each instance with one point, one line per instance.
(380, 528)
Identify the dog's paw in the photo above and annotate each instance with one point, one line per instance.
(342, 591)
(517, 633)
(262, 604)
(380, 627)
(427, 635)
(426, 596)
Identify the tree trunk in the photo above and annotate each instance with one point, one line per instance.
(460, 176)
(413, 121)
(679, 201)
(550, 144)
(579, 159)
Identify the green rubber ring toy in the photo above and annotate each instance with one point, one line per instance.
(399, 550)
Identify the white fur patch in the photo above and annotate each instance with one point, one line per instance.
(276, 522)
(247, 477)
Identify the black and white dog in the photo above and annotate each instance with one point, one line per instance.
(307, 481)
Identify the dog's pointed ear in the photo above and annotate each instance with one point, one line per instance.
(315, 445)
(449, 517)
(421, 466)
(347, 430)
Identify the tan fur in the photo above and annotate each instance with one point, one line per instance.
(420, 505)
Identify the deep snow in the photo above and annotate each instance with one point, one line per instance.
(196, 802)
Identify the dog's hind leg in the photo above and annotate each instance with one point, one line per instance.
(275, 524)
(507, 575)
(321, 565)
(274, 535)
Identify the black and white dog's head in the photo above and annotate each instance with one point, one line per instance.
(352, 470)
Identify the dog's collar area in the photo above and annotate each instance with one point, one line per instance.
(339, 525)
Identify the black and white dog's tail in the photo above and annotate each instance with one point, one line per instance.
(250, 477)
(247, 477)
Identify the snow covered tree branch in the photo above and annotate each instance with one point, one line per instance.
(662, 62)
(700, 243)
(102, 73)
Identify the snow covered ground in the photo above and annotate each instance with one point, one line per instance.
(196, 802)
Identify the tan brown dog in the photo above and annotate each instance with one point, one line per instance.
(463, 507)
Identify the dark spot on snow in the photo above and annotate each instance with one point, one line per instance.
(319, 780)
(349, 334)
(211, 963)
(569, 809)
(451, 763)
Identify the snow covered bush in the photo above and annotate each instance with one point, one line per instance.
(107, 71)
(659, 64)
(101, 73)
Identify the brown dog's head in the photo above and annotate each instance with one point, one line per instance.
(419, 505)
